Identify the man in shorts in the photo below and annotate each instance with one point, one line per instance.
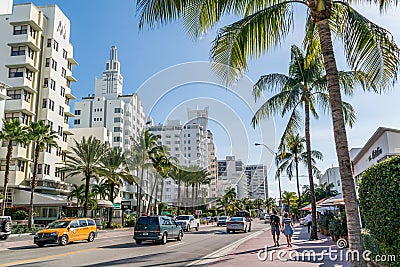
(275, 222)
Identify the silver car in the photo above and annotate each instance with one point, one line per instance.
(222, 220)
(237, 224)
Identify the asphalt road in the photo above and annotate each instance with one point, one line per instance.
(119, 249)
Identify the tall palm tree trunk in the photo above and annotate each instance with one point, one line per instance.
(139, 200)
(179, 198)
(186, 196)
(193, 187)
(110, 210)
(33, 184)
(297, 180)
(314, 234)
(151, 194)
(342, 150)
(162, 190)
(155, 198)
(280, 191)
(6, 176)
(85, 205)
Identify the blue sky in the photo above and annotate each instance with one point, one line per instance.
(97, 25)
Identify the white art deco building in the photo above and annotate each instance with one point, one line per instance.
(36, 63)
(121, 114)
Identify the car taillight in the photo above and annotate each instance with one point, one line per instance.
(158, 229)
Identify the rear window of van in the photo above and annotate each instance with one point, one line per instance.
(147, 221)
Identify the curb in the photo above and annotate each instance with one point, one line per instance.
(20, 235)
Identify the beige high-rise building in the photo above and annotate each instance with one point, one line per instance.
(36, 62)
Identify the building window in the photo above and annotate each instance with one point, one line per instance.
(77, 112)
(47, 63)
(117, 139)
(51, 104)
(62, 92)
(50, 123)
(49, 41)
(54, 64)
(188, 135)
(77, 121)
(63, 73)
(118, 110)
(16, 72)
(48, 149)
(60, 131)
(58, 152)
(46, 169)
(55, 45)
(32, 32)
(61, 111)
(18, 50)
(65, 54)
(53, 84)
(46, 83)
(117, 130)
(20, 29)
(117, 119)
(31, 53)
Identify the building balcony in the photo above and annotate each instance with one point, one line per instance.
(18, 152)
(70, 96)
(21, 61)
(72, 61)
(18, 105)
(21, 83)
(24, 39)
(71, 78)
(16, 177)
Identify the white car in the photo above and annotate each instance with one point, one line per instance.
(222, 220)
(5, 227)
(237, 224)
(188, 222)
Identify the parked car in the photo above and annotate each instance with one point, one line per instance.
(237, 224)
(222, 220)
(267, 218)
(262, 216)
(5, 227)
(188, 222)
(157, 228)
(209, 219)
(67, 230)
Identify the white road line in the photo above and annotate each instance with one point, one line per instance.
(216, 255)
(175, 245)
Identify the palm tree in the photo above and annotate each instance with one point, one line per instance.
(86, 158)
(269, 204)
(266, 24)
(115, 171)
(178, 174)
(77, 192)
(42, 136)
(101, 189)
(13, 133)
(289, 198)
(304, 88)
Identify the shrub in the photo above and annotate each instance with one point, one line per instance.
(130, 220)
(338, 226)
(116, 225)
(22, 229)
(379, 193)
(324, 220)
(20, 215)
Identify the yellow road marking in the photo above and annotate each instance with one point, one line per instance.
(47, 257)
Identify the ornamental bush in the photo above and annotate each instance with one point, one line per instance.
(379, 194)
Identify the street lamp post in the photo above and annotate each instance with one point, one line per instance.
(279, 179)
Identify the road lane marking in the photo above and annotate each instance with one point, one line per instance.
(175, 245)
(214, 256)
(46, 257)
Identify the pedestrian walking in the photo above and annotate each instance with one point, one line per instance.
(275, 227)
(309, 221)
(287, 229)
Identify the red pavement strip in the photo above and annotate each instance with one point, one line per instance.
(247, 254)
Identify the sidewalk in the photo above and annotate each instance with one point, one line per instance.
(248, 253)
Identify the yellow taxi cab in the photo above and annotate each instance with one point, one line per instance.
(67, 230)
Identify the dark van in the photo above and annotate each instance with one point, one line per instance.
(156, 228)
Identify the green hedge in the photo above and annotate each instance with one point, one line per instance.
(379, 193)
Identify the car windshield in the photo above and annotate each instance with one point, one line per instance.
(236, 219)
(58, 224)
(147, 221)
(223, 218)
(242, 214)
(183, 218)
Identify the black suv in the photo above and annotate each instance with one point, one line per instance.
(5, 227)
(157, 228)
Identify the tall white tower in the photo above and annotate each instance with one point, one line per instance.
(111, 81)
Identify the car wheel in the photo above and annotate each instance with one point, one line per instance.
(164, 239)
(91, 237)
(40, 244)
(197, 228)
(3, 237)
(228, 231)
(63, 240)
(139, 241)
(180, 235)
(7, 227)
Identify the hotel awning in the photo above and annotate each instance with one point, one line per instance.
(22, 198)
